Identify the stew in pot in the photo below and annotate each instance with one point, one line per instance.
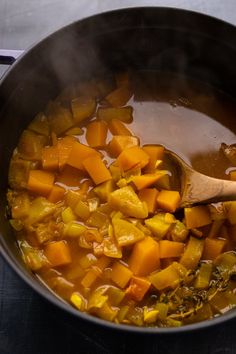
(94, 201)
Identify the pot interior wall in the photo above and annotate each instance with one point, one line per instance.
(150, 39)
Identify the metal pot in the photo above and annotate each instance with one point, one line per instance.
(148, 38)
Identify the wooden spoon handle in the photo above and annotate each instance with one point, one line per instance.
(199, 188)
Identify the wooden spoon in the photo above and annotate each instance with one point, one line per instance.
(197, 188)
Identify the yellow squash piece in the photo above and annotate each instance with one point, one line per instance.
(204, 275)
(166, 278)
(126, 233)
(120, 274)
(159, 225)
(192, 253)
(127, 201)
(104, 190)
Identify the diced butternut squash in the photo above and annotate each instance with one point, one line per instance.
(197, 216)
(131, 157)
(193, 253)
(127, 201)
(125, 114)
(168, 200)
(166, 278)
(155, 152)
(149, 196)
(212, 248)
(126, 233)
(138, 288)
(82, 108)
(116, 127)
(96, 169)
(64, 147)
(50, 158)
(104, 190)
(121, 142)
(40, 182)
(170, 249)
(58, 253)
(56, 194)
(96, 134)
(78, 154)
(145, 257)
(146, 180)
(120, 274)
(119, 97)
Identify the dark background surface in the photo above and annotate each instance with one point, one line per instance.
(28, 324)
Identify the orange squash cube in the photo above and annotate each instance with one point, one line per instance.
(78, 154)
(146, 180)
(64, 147)
(149, 195)
(155, 152)
(138, 288)
(197, 216)
(56, 194)
(170, 249)
(145, 257)
(212, 248)
(120, 142)
(40, 182)
(168, 200)
(131, 157)
(125, 114)
(96, 134)
(116, 127)
(96, 169)
(58, 253)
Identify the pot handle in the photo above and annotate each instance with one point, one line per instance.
(9, 56)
